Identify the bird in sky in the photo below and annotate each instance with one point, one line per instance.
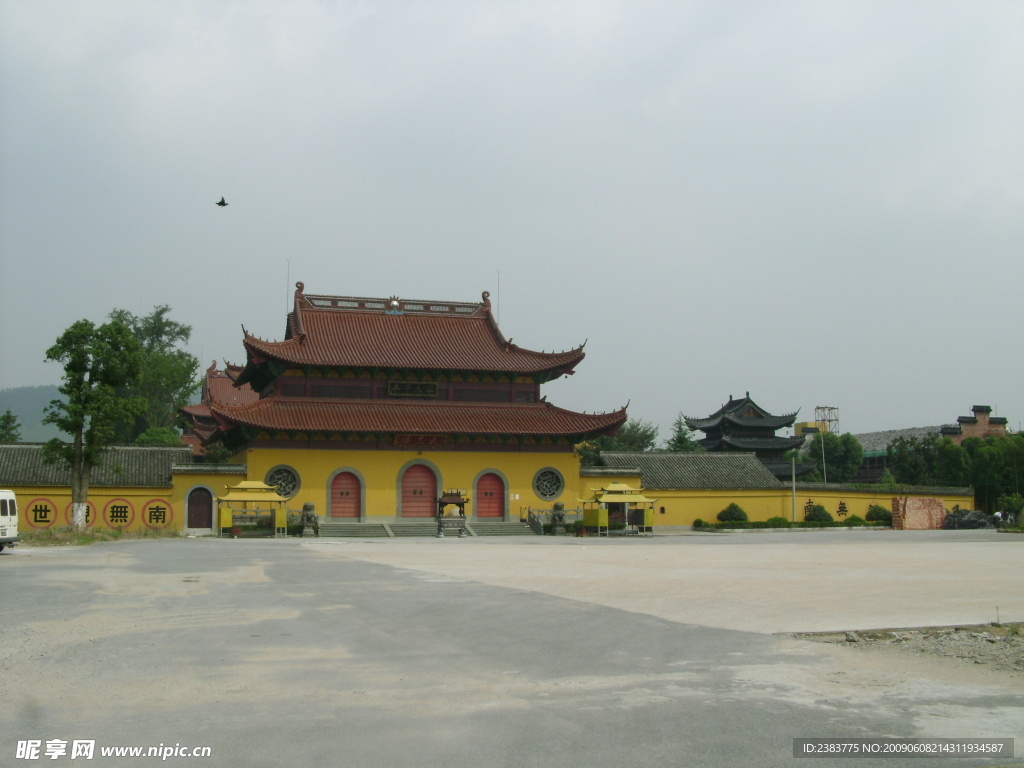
(222, 202)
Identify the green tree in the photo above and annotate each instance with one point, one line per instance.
(97, 362)
(993, 466)
(951, 464)
(682, 437)
(168, 375)
(843, 457)
(10, 429)
(634, 435)
(159, 436)
(911, 460)
(987, 471)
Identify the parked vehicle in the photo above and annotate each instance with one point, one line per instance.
(8, 519)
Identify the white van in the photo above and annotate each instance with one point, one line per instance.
(8, 519)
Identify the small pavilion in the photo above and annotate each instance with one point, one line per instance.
(252, 502)
(618, 504)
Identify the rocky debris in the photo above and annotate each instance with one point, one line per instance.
(969, 519)
(1001, 646)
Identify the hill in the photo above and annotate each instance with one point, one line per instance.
(28, 405)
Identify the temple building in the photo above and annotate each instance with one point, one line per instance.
(743, 425)
(370, 409)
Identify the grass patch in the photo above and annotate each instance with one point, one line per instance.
(65, 537)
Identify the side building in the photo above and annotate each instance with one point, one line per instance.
(743, 425)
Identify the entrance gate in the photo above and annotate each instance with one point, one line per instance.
(419, 492)
(490, 496)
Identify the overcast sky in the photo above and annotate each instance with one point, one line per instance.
(821, 203)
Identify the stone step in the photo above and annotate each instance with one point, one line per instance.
(501, 528)
(354, 530)
(413, 528)
(426, 527)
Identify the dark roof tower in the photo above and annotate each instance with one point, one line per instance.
(743, 425)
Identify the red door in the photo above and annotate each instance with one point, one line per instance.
(419, 492)
(346, 495)
(490, 496)
(200, 509)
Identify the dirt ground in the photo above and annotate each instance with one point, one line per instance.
(999, 646)
(812, 588)
(832, 604)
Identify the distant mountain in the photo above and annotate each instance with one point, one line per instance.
(28, 405)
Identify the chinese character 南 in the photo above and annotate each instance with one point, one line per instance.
(157, 514)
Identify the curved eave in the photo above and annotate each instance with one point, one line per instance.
(747, 422)
(387, 417)
(513, 360)
(762, 444)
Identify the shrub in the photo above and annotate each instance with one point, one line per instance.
(879, 514)
(817, 514)
(853, 521)
(732, 514)
(698, 524)
(777, 522)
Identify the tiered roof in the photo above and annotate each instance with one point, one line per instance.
(743, 425)
(408, 340)
(219, 389)
(743, 413)
(400, 334)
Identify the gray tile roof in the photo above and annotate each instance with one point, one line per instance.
(900, 490)
(703, 471)
(209, 469)
(123, 467)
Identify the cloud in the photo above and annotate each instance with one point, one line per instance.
(801, 199)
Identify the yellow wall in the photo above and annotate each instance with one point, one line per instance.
(128, 509)
(379, 472)
(857, 502)
(683, 507)
(138, 509)
(144, 509)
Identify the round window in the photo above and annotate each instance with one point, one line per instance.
(548, 483)
(286, 479)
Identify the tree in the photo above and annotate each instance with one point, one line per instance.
(911, 459)
(634, 435)
(168, 375)
(97, 361)
(159, 436)
(843, 457)
(10, 429)
(682, 439)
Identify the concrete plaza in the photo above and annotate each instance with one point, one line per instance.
(523, 652)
